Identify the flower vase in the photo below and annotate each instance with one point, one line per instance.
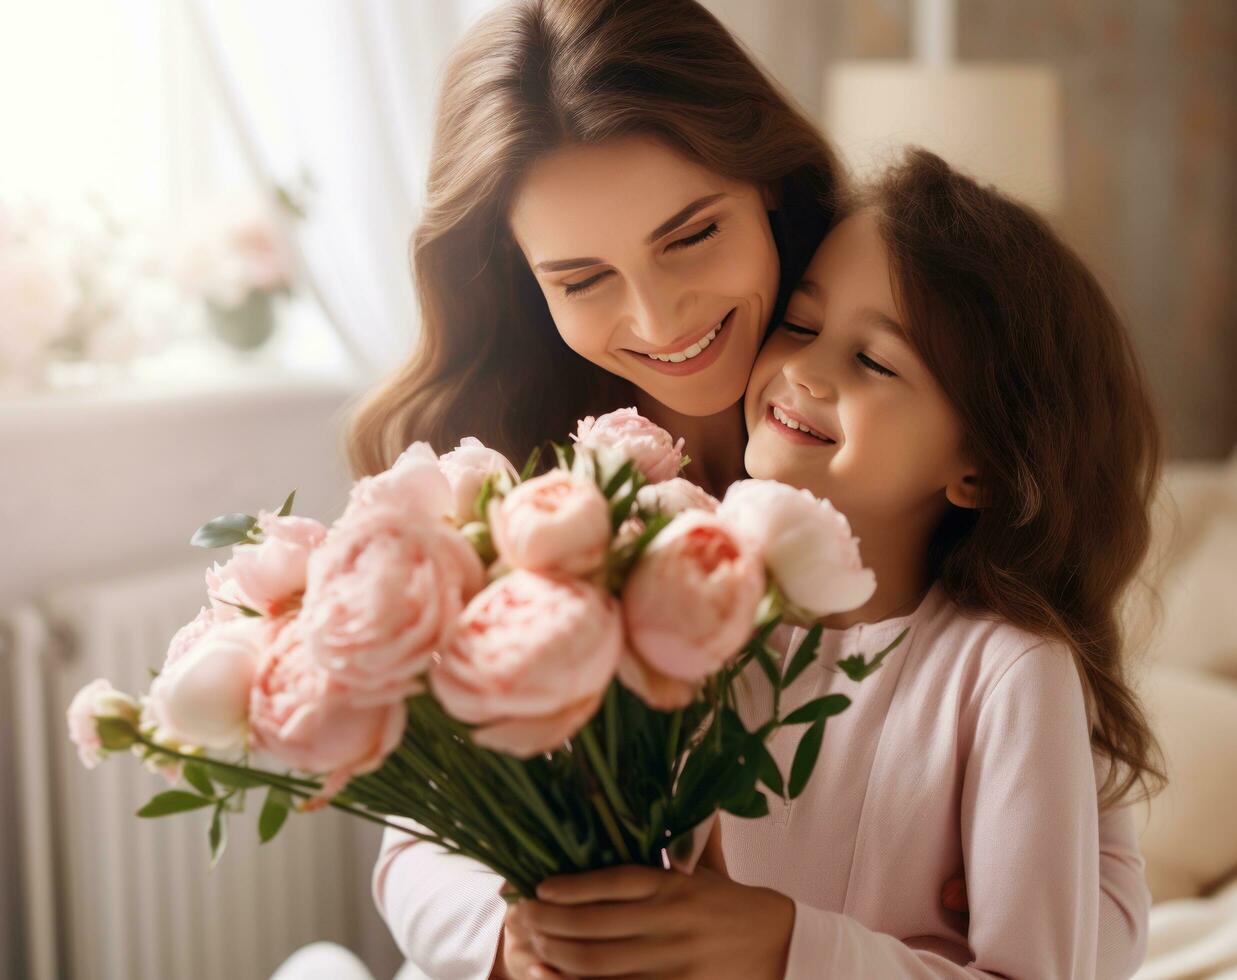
(245, 327)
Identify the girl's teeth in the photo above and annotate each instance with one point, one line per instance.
(692, 351)
(790, 423)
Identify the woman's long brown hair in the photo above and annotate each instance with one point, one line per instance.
(531, 76)
(1056, 415)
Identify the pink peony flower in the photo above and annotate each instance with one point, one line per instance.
(383, 595)
(806, 544)
(650, 685)
(626, 431)
(413, 489)
(467, 467)
(690, 602)
(267, 577)
(557, 523)
(201, 697)
(98, 699)
(674, 496)
(530, 662)
(304, 719)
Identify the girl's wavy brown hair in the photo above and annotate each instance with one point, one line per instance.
(530, 77)
(1057, 416)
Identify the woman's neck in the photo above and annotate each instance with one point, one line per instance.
(715, 443)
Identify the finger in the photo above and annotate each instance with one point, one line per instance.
(607, 958)
(606, 920)
(624, 883)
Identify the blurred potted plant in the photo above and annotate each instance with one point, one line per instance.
(235, 255)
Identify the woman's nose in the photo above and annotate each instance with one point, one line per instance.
(656, 315)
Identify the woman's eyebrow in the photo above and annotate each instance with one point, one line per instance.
(665, 228)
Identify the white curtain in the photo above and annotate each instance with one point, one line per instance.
(344, 92)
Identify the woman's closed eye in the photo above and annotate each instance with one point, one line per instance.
(867, 362)
(577, 288)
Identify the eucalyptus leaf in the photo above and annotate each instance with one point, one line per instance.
(766, 664)
(619, 478)
(173, 801)
(227, 530)
(805, 757)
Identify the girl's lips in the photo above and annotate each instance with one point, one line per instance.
(797, 436)
(697, 363)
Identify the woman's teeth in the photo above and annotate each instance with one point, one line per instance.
(686, 355)
(790, 423)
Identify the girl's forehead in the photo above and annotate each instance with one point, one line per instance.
(851, 256)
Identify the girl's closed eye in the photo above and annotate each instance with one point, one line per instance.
(867, 362)
(579, 288)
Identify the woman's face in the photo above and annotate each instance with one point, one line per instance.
(654, 268)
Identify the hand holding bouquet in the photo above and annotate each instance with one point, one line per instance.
(537, 669)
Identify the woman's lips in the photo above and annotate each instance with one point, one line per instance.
(697, 363)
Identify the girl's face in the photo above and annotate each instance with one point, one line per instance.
(883, 440)
(654, 268)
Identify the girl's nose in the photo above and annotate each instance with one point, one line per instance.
(804, 371)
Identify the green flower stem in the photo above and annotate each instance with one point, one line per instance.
(496, 813)
(518, 779)
(611, 719)
(612, 829)
(672, 746)
(270, 779)
(607, 782)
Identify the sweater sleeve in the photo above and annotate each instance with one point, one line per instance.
(1125, 899)
(444, 910)
(1030, 843)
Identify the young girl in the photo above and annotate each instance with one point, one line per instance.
(954, 380)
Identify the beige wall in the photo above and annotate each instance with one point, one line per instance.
(1151, 157)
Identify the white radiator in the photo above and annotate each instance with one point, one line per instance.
(108, 895)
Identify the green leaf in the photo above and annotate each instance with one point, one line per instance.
(195, 776)
(245, 610)
(482, 504)
(286, 509)
(804, 655)
(766, 767)
(173, 801)
(856, 668)
(805, 757)
(767, 664)
(752, 808)
(818, 709)
(274, 813)
(565, 454)
(223, 531)
(218, 835)
(620, 477)
(116, 734)
(530, 465)
(231, 778)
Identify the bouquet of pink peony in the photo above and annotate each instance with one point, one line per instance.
(536, 669)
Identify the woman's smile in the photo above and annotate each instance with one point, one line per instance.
(692, 357)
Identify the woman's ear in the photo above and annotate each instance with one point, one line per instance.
(965, 491)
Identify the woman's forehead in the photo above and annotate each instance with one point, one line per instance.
(622, 190)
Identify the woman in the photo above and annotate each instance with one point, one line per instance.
(619, 202)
